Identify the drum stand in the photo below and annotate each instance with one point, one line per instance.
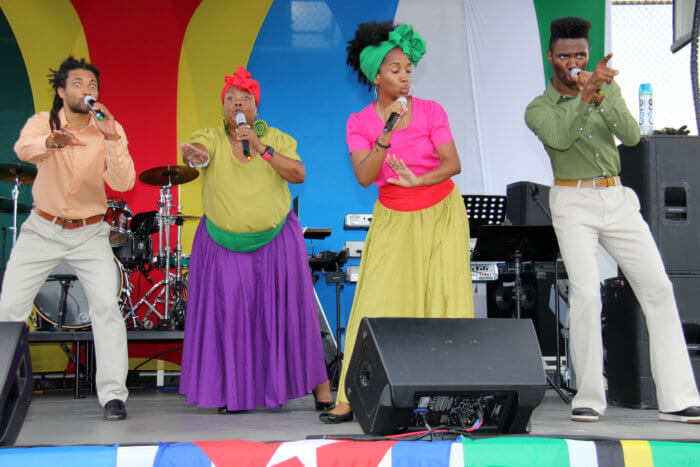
(15, 198)
(172, 287)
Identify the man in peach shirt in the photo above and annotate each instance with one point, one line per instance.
(75, 154)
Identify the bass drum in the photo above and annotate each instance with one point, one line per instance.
(75, 316)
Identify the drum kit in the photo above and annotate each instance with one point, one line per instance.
(61, 302)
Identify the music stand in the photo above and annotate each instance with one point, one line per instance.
(536, 243)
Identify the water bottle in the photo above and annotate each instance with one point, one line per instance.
(646, 113)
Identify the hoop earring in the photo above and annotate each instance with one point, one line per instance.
(376, 94)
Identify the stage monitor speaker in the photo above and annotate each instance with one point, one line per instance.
(665, 173)
(626, 340)
(454, 371)
(522, 206)
(16, 381)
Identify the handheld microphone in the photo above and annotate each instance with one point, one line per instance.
(574, 73)
(240, 120)
(392, 118)
(90, 101)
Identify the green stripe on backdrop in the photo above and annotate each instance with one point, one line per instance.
(592, 10)
(17, 107)
(515, 452)
(672, 454)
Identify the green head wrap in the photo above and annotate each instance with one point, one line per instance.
(402, 36)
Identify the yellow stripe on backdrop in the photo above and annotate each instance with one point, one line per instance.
(637, 453)
(46, 32)
(219, 38)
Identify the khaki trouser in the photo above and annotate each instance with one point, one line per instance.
(41, 246)
(582, 217)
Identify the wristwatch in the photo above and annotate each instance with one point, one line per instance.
(269, 152)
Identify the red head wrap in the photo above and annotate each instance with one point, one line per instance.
(242, 80)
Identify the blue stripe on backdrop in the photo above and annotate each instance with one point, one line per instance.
(68, 456)
(308, 91)
(421, 453)
(171, 455)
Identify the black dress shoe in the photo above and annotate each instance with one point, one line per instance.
(584, 414)
(224, 411)
(115, 410)
(322, 406)
(687, 415)
(327, 417)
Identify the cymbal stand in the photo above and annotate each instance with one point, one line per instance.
(15, 197)
(164, 223)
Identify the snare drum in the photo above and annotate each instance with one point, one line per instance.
(75, 315)
(117, 216)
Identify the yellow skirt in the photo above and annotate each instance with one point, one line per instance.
(414, 265)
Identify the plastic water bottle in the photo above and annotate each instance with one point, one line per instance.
(646, 113)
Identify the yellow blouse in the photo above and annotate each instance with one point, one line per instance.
(244, 197)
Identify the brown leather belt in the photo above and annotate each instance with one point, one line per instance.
(600, 182)
(69, 223)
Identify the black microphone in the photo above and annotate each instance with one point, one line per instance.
(392, 118)
(240, 120)
(90, 101)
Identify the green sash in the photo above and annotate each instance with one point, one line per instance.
(243, 242)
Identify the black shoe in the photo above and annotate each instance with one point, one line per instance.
(322, 406)
(327, 417)
(687, 415)
(115, 410)
(584, 414)
(224, 411)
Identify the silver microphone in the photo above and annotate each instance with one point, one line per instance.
(574, 73)
(240, 120)
(394, 116)
(89, 102)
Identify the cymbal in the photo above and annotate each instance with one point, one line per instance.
(168, 175)
(7, 205)
(10, 171)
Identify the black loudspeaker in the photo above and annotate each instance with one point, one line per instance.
(686, 288)
(522, 207)
(538, 283)
(446, 372)
(626, 341)
(665, 173)
(16, 381)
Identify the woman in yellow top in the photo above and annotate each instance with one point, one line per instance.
(252, 337)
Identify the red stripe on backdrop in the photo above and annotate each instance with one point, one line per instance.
(347, 453)
(234, 453)
(136, 46)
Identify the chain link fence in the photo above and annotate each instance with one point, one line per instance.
(642, 33)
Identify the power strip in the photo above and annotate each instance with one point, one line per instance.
(354, 248)
(357, 221)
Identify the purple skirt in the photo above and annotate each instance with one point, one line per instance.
(252, 337)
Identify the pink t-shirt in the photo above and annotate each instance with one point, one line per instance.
(416, 144)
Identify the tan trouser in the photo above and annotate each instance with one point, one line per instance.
(582, 217)
(40, 247)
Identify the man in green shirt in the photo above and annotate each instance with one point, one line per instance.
(577, 119)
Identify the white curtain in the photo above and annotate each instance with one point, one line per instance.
(484, 65)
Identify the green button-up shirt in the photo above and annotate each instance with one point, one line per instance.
(580, 137)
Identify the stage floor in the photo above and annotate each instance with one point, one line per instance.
(55, 418)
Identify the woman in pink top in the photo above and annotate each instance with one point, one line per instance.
(415, 261)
